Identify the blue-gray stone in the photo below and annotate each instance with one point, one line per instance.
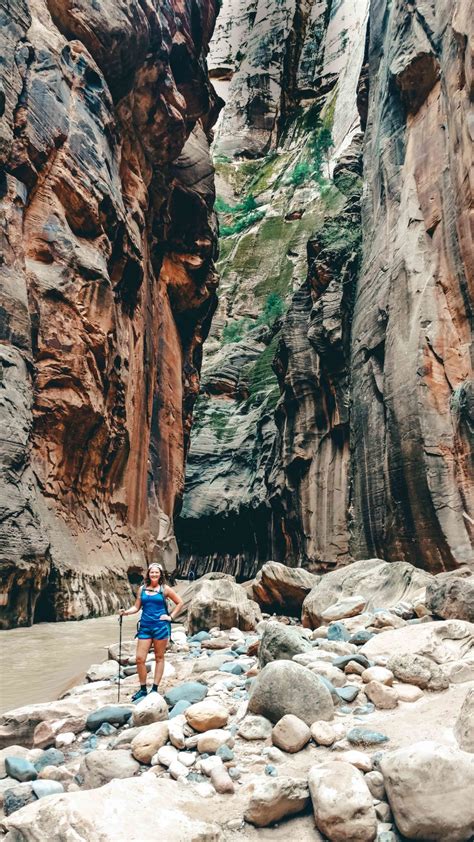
(106, 729)
(190, 691)
(330, 687)
(179, 708)
(344, 709)
(90, 744)
(43, 788)
(50, 757)
(347, 693)
(363, 710)
(338, 631)
(114, 714)
(230, 666)
(199, 636)
(271, 770)
(360, 637)
(342, 660)
(225, 753)
(239, 649)
(196, 778)
(20, 769)
(234, 772)
(17, 797)
(366, 737)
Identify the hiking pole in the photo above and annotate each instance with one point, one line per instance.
(120, 655)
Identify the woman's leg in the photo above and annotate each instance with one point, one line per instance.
(143, 647)
(159, 646)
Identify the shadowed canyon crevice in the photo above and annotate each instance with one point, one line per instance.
(334, 416)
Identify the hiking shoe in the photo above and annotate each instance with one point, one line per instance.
(140, 694)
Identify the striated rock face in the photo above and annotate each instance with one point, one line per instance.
(107, 288)
(412, 404)
(335, 421)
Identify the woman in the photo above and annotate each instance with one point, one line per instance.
(154, 624)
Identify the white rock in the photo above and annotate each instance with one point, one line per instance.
(255, 728)
(342, 803)
(290, 733)
(204, 789)
(429, 787)
(66, 739)
(356, 758)
(175, 730)
(211, 740)
(178, 770)
(347, 607)
(408, 692)
(209, 763)
(323, 733)
(187, 758)
(165, 756)
(153, 708)
(271, 799)
(102, 672)
(380, 674)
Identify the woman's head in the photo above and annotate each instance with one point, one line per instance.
(155, 575)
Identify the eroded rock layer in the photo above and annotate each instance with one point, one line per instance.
(336, 416)
(107, 287)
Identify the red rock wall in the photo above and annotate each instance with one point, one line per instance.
(106, 291)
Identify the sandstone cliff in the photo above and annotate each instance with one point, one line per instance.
(336, 416)
(107, 287)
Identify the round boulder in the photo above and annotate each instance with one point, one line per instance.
(285, 687)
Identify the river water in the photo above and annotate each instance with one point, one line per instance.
(39, 663)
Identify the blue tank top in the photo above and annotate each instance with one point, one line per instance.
(153, 606)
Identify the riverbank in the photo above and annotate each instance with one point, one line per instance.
(255, 728)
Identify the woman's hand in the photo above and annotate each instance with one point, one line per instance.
(166, 617)
(122, 612)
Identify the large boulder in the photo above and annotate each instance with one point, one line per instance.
(280, 643)
(285, 687)
(222, 603)
(152, 708)
(271, 799)
(99, 767)
(342, 803)
(281, 589)
(464, 728)
(180, 816)
(381, 583)
(448, 644)
(18, 726)
(429, 787)
(451, 597)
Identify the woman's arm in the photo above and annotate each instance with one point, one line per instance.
(171, 594)
(135, 608)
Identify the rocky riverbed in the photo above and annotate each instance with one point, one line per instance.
(352, 725)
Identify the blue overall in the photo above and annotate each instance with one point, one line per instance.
(150, 626)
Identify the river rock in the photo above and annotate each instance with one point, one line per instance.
(221, 781)
(374, 781)
(381, 696)
(176, 732)
(342, 803)
(429, 788)
(99, 767)
(333, 674)
(44, 788)
(222, 603)
(18, 726)
(179, 708)
(418, 670)
(206, 715)
(285, 687)
(290, 734)
(153, 708)
(17, 797)
(380, 674)
(181, 816)
(323, 733)
(102, 672)
(464, 727)
(56, 773)
(165, 756)
(212, 740)
(45, 733)
(366, 737)
(379, 583)
(356, 758)
(128, 652)
(20, 769)
(124, 739)
(115, 714)
(214, 662)
(190, 691)
(451, 597)
(272, 799)
(281, 589)
(178, 770)
(12, 751)
(350, 606)
(408, 692)
(149, 740)
(281, 642)
(255, 728)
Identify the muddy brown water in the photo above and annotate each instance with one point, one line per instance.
(39, 663)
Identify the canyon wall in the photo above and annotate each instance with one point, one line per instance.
(107, 288)
(336, 420)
